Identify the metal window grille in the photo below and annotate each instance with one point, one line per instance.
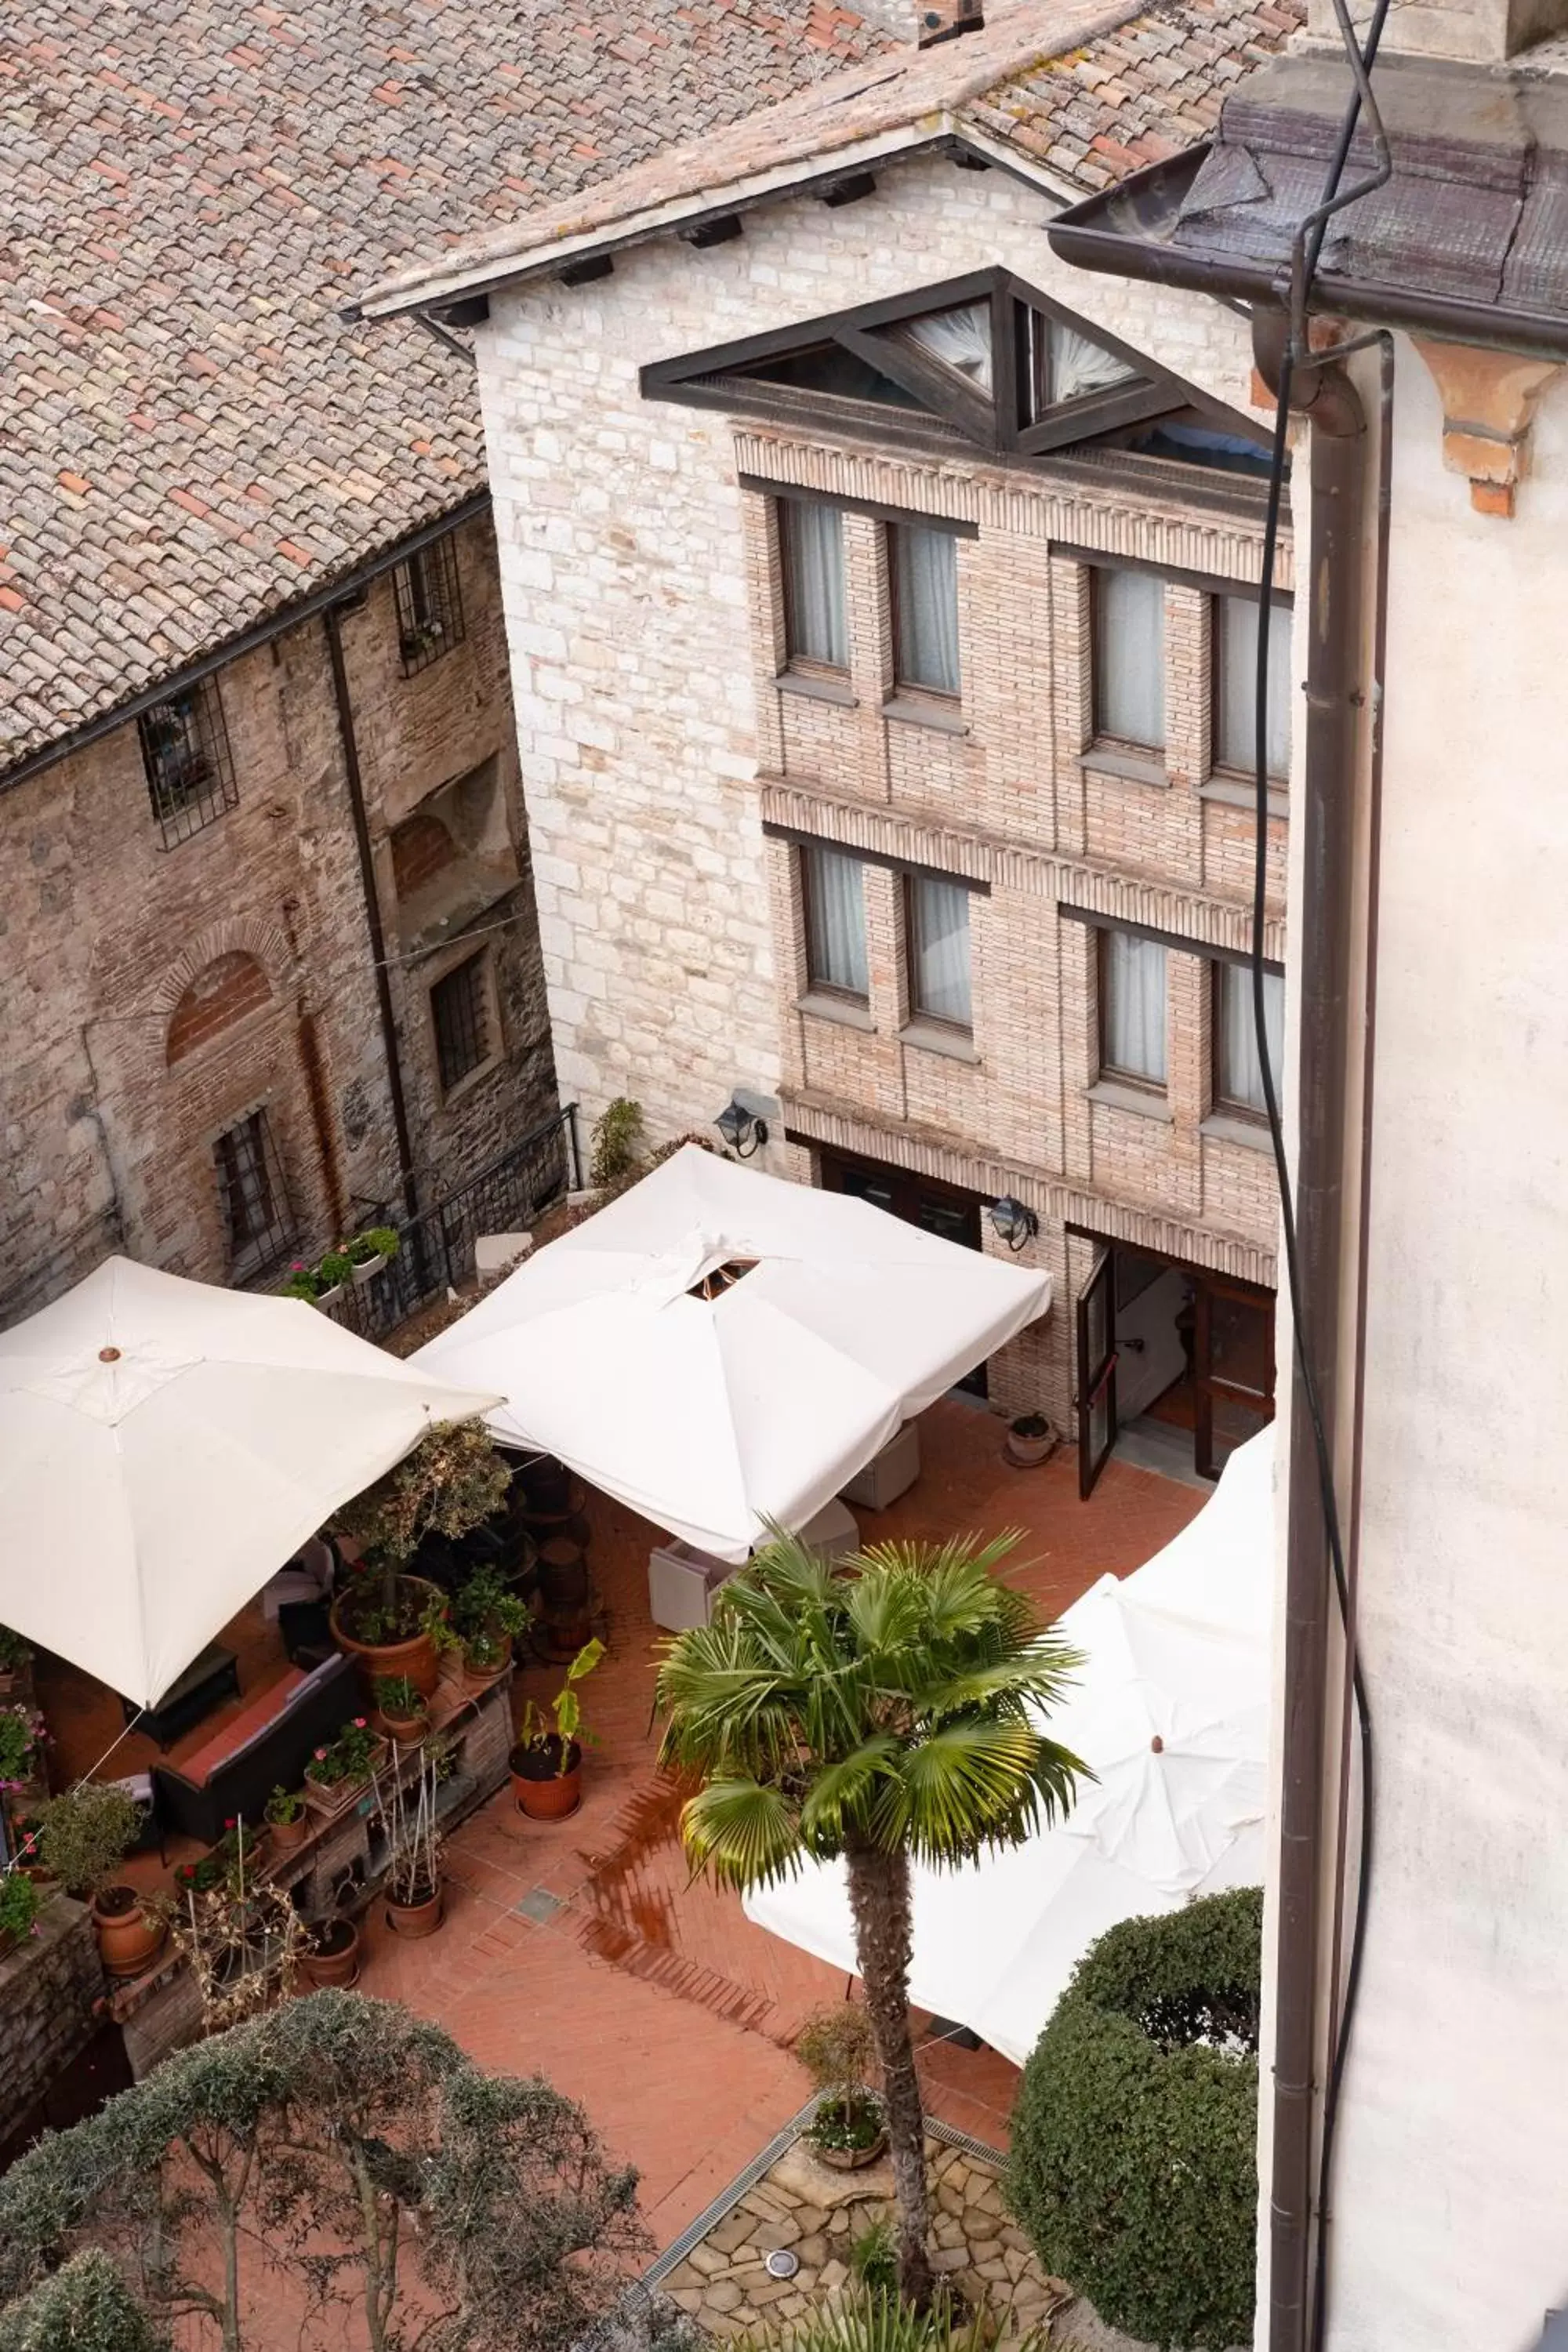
(429, 604)
(190, 771)
(254, 1197)
(459, 1007)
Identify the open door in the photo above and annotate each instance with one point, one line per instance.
(1232, 1367)
(1096, 1372)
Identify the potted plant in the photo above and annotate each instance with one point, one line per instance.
(368, 1252)
(330, 1275)
(25, 1828)
(451, 1483)
(1030, 1440)
(231, 1863)
(337, 1772)
(836, 2048)
(334, 1957)
(285, 1815)
(547, 1766)
(487, 1615)
(19, 1901)
(303, 1282)
(15, 1657)
(84, 1837)
(23, 1739)
(403, 1709)
(415, 1902)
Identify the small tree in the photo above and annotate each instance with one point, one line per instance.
(85, 2307)
(452, 1482)
(882, 1712)
(351, 2145)
(1133, 2161)
(618, 1142)
(86, 1833)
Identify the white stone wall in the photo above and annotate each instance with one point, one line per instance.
(623, 573)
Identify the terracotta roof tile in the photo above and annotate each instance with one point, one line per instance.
(191, 190)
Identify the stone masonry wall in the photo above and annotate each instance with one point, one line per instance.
(657, 738)
(48, 1985)
(110, 938)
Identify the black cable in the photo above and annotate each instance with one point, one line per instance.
(1308, 244)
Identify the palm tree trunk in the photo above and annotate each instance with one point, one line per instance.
(880, 1899)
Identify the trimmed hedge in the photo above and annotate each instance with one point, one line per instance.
(1134, 2159)
(85, 2307)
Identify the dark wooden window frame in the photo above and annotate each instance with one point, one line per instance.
(1181, 941)
(429, 604)
(259, 1218)
(913, 878)
(1243, 593)
(798, 664)
(952, 409)
(452, 1029)
(1222, 1102)
(186, 758)
(917, 688)
(814, 980)
(1098, 735)
(1157, 1090)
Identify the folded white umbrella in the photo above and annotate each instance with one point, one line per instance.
(1171, 1710)
(710, 1416)
(166, 1445)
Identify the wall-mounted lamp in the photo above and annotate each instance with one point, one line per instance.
(1013, 1223)
(742, 1129)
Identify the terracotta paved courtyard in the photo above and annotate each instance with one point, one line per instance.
(580, 1949)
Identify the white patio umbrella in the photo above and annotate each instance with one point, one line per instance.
(832, 1323)
(1171, 1710)
(166, 1445)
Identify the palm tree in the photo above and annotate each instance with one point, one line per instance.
(880, 1711)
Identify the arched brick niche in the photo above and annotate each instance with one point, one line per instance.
(223, 993)
(421, 848)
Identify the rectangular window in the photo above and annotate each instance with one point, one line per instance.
(1132, 1008)
(1236, 685)
(1237, 1072)
(1130, 656)
(835, 920)
(186, 754)
(255, 1199)
(925, 607)
(460, 1010)
(938, 916)
(429, 604)
(816, 618)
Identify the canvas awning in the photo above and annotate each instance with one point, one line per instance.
(1171, 1710)
(830, 1323)
(166, 1445)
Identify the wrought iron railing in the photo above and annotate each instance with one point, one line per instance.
(436, 1252)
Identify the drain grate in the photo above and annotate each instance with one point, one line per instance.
(540, 1905)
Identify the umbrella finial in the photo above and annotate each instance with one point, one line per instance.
(1158, 1745)
(109, 1355)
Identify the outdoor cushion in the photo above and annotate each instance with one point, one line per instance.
(269, 1745)
(262, 1707)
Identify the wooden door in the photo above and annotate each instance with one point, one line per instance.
(1096, 1372)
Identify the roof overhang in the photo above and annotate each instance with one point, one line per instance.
(1468, 240)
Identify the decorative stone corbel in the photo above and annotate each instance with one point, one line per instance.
(1488, 405)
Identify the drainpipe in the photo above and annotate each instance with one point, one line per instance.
(1335, 703)
(332, 618)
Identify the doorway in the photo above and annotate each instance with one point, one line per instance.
(1175, 1363)
(923, 1201)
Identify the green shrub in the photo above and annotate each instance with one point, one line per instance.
(1134, 2162)
(618, 1142)
(85, 2307)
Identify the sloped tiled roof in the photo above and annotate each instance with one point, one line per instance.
(189, 436)
(1082, 90)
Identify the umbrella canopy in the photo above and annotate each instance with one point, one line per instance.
(1171, 1711)
(829, 1323)
(166, 1445)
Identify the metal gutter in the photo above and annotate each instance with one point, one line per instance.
(262, 632)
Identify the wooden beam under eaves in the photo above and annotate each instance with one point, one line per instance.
(722, 230)
(583, 272)
(850, 190)
(472, 312)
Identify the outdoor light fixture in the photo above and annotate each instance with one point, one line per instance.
(1013, 1223)
(742, 1129)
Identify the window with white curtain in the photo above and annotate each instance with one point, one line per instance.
(938, 916)
(1059, 364)
(1130, 656)
(1237, 1072)
(1236, 685)
(959, 338)
(925, 607)
(816, 619)
(835, 920)
(1131, 1007)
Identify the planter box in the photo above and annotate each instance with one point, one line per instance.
(328, 1803)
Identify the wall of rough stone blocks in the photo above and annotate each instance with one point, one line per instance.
(109, 1145)
(48, 1984)
(657, 738)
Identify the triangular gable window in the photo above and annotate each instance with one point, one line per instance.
(986, 360)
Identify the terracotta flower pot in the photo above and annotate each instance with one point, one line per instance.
(127, 1940)
(406, 1730)
(481, 1677)
(851, 2159)
(1030, 1440)
(385, 1661)
(287, 1835)
(540, 1788)
(335, 1960)
(418, 1918)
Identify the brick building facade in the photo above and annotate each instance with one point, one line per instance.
(197, 1068)
(668, 376)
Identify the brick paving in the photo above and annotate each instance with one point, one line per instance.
(655, 2001)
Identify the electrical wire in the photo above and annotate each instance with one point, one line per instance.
(1307, 249)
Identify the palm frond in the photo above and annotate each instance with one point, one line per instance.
(968, 1785)
(839, 1793)
(741, 1833)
